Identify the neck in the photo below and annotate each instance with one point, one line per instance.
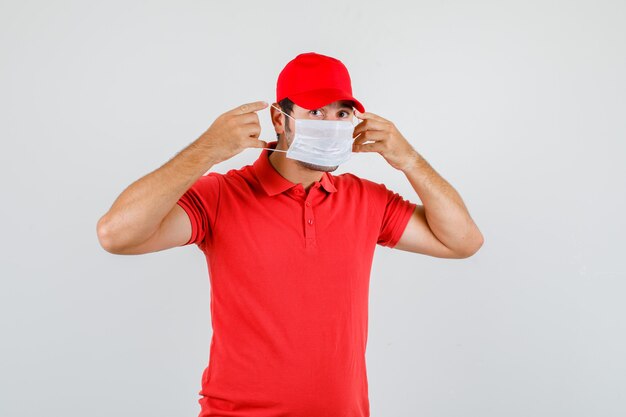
(292, 171)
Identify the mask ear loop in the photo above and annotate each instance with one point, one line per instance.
(357, 119)
(282, 111)
(273, 149)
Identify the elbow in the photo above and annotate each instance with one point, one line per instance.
(107, 237)
(473, 248)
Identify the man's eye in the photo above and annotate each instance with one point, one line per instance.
(345, 113)
(316, 112)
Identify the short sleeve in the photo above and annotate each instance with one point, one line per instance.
(397, 212)
(200, 202)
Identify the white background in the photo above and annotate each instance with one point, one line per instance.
(518, 104)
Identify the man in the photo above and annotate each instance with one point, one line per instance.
(289, 246)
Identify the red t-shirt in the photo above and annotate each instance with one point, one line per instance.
(289, 274)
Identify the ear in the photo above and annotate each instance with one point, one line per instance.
(278, 119)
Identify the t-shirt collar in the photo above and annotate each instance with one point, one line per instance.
(273, 183)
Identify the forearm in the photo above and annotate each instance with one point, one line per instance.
(139, 210)
(445, 212)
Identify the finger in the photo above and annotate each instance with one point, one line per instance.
(248, 108)
(256, 143)
(367, 115)
(369, 147)
(251, 130)
(370, 124)
(374, 135)
(247, 118)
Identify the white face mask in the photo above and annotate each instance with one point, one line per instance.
(321, 142)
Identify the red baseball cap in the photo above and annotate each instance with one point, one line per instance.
(313, 80)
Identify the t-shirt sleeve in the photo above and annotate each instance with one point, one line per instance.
(397, 212)
(200, 202)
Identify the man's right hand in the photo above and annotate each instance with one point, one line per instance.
(234, 131)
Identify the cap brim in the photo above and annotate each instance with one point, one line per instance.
(316, 99)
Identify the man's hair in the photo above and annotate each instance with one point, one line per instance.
(287, 106)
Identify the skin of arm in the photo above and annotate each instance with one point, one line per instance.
(138, 212)
(442, 226)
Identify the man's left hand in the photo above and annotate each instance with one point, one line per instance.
(387, 141)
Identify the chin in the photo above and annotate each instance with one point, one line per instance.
(317, 167)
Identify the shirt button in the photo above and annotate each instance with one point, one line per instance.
(310, 221)
(308, 203)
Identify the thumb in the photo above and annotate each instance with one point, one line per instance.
(259, 144)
